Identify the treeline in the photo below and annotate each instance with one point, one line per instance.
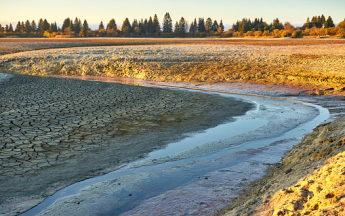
(318, 26)
(151, 27)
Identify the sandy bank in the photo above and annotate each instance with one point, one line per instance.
(54, 132)
(303, 183)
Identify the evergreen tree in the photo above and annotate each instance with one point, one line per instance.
(33, 26)
(176, 29)
(40, 24)
(135, 26)
(182, 26)
(55, 28)
(10, 29)
(150, 26)
(22, 26)
(101, 26)
(221, 25)
(146, 26)
(329, 22)
(51, 28)
(27, 27)
(192, 28)
(71, 26)
(126, 27)
(167, 23)
(276, 24)
(6, 28)
(208, 24)
(45, 26)
(77, 25)
(111, 25)
(215, 26)
(323, 19)
(18, 27)
(84, 29)
(201, 25)
(66, 24)
(156, 26)
(195, 26)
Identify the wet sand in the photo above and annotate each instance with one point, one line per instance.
(55, 131)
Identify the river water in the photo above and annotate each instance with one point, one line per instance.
(197, 175)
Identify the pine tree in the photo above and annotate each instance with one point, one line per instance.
(276, 24)
(40, 24)
(195, 26)
(323, 19)
(27, 27)
(77, 25)
(167, 23)
(33, 26)
(191, 29)
(182, 26)
(146, 26)
(150, 26)
(10, 29)
(221, 25)
(45, 26)
(156, 26)
(215, 26)
(51, 28)
(66, 24)
(201, 25)
(55, 28)
(176, 29)
(135, 26)
(208, 24)
(84, 29)
(101, 26)
(126, 27)
(71, 26)
(111, 25)
(18, 27)
(329, 22)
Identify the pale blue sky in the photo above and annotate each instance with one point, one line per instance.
(295, 11)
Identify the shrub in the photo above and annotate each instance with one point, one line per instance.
(266, 33)
(249, 33)
(297, 33)
(228, 34)
(258, 33)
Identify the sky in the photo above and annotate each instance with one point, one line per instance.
(294, 11)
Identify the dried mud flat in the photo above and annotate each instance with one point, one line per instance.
(58, 131)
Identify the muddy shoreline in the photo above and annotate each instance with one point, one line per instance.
(58, 131)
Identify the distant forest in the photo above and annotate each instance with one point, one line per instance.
(317, 26)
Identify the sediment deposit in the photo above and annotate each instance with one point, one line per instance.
(54, 132)
(309, 181)
(318, 69)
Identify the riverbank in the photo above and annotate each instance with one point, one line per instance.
(211, 172)
(55, 132)
(308, 181)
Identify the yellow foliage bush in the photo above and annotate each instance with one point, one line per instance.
(258, 33)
